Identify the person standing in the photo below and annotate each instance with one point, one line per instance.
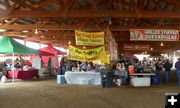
(83, 66)
(158, 66)
(62, 67)
(49, 66)
(167, 67)
(177, 66)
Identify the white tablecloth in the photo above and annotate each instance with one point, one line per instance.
(81, 77)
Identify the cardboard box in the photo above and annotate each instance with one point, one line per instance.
(140, 82)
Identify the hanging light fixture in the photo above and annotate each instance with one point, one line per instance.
(36, 30)
(69, 42)
(53, 36)
(151, 48)
(162, 44)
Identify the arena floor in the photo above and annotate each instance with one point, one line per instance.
(46, 93)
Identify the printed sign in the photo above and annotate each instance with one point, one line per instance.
(136, 47)
(153, 35)
(84, 55)
(91, 39)
(105, 58)
(36, 63)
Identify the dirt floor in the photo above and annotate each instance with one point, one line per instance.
(46, 93)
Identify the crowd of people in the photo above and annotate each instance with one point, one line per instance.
(76, 66)
(121, 68)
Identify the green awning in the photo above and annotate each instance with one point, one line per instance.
(10, 46)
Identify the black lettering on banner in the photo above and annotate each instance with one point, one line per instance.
(77, 51)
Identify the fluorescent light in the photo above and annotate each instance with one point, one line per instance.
(69, 42)
(3, 30)
(6, 21)
(23, 36)
(36, 31)
(162, 44)
(25, 31)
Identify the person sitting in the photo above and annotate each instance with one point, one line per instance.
(17, 65)
(94, 69)
(83, 66)
(120, 72)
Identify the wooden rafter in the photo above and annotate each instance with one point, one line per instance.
(45, 3)
(6, 3)
(72, 20)
(160, 9)
(84, 22)
(94, 4)
(136, 8)
(22, 3)
(142, 4)
(173, 2)
(123, 5)
(12, 21)
(108, 4)
(56, 21)
(68, 5)
(87, 27)
(89, 13)
(156, 5)
(11, 8)
(39, 34)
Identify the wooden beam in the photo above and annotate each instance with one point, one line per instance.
(84, 22)
(138, 12)
(108, 4)
(11, 8)
(68, 5)
(12, 21)
(87, 27)
(71, 22)
(123, 5)
(45, 3)
(22, 3)
(142, 4)
(45, 42)
(156, 5)
(32, 38)
(61, 5)
(70, 34)
(56, 21)
(6, 3)
(89, 13)
(173, 2)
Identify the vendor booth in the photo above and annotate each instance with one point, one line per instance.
(11, 47)
(24, 75)
(44, 71)
(50, 49)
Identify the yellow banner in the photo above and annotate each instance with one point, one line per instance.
(91, 39)
(105, 58)
(84, 55)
